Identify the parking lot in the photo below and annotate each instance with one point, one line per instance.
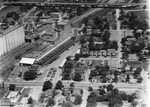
(51, 74)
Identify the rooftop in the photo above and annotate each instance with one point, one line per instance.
(12, 94)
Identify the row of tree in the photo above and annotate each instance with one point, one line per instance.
(111, 95)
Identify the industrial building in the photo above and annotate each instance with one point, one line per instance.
(11, 38)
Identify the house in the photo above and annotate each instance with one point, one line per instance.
(111, 52)
(13, 96)
(103, 52)
(133, 57)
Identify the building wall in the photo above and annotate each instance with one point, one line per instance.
(11, 39)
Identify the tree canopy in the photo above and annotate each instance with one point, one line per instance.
(51, 102)
(59, 85)
(47, 85)
(30, 75)
(77, 77)
(78, 100)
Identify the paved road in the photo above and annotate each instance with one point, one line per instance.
(81, 84)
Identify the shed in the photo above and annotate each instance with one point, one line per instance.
(29, 61)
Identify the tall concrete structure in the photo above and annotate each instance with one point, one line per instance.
(11, 38)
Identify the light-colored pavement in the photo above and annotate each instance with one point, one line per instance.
(84, 97)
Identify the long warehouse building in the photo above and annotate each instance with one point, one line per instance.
(11, 38)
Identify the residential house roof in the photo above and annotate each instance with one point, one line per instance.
(133, 57)
(12, 94)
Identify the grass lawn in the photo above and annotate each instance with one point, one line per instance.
(143, 15)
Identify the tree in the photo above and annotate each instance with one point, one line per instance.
(72, 87)
(102, 91)
(66, 104)
(115, 101)
(77, 77)
(82, 41)
(110, 87)
(78, 100)
(12, 87)
(127, 78)
(30, 75)
(85, 20)
(13, 15)
(51, 102)
(47, 85)
(139, 80)
(77, 57)
(92, 97)
(106, 26)
(54, 93)
(41, 98)
(124, 96)
(99, 98)
(114, 45)
(30, 101)
(59, 85)
(106, 36)
(90, 89)
(115, 92)
(68, 65)
(134, 103)
(97, 21)
(131, 97)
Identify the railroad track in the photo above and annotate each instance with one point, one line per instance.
(9, 58)
(56, 53)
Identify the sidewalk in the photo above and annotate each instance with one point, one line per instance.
(84, 98)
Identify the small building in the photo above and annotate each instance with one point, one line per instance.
(111, 52)
(13, 96)
(133, 57)
(103, 52)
